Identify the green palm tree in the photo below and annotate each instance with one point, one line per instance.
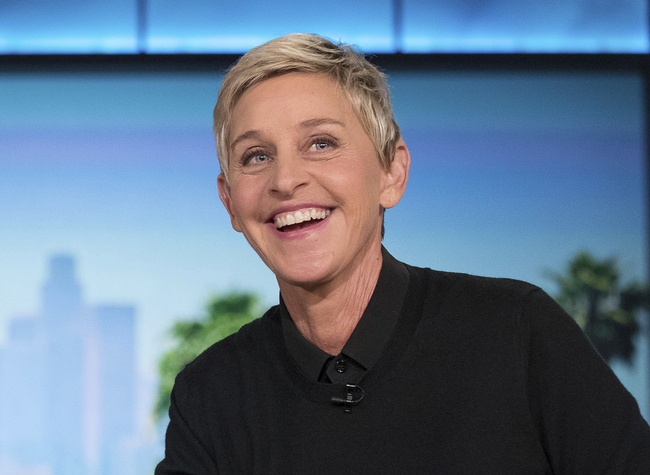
(589, 291)
(224, 316)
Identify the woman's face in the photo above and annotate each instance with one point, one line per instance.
(306, 187)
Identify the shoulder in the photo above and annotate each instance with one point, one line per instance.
(474, 293)
(494, 314)
(228, 358)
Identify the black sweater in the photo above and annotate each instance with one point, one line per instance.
(481, 376)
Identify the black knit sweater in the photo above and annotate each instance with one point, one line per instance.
(481, 376)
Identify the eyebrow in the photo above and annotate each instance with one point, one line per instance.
(306, 124)
(251, 134)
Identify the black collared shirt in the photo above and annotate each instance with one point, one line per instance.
(368, 339)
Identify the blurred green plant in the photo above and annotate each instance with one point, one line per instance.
(590, 292)
(224, 316)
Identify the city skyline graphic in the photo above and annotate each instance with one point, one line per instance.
(68, 382)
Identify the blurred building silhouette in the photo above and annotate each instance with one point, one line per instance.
(67, 379)
(22, 392)
(110, 369)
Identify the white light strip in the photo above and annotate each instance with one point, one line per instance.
(368, 43)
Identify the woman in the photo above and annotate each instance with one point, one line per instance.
(368, 365)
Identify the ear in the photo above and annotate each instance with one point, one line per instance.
(396, 177)
(226, 199)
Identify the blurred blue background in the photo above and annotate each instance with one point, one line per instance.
(111, 228)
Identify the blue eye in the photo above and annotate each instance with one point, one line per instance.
(258, 158)
(321, 145)
(254, 157)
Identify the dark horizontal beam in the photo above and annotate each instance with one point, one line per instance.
(153, 63)
(116, 63)
(514, 62)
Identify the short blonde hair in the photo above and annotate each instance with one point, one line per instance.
(363, 84)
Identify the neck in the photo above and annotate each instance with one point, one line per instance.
(328, 313)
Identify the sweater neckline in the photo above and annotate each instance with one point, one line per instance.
(400, 339)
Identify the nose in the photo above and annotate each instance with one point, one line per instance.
(289, 174)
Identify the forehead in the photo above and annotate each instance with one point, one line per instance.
(290, 97)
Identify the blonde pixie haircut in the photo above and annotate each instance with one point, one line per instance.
(362, 83)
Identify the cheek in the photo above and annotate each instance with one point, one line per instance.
(359, 190)
(244, 201)
(349, 175)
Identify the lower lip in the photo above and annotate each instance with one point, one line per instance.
(298, 233)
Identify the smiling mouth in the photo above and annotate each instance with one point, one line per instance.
(299, 219)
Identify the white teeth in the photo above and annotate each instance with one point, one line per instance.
(287, 219)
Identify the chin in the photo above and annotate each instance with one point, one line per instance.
(306, 275)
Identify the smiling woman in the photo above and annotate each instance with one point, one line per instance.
(453, 373)
(297, 145)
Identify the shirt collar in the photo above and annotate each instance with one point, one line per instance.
(372, 331)
(309, 358)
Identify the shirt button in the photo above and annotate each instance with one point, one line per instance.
(341, 365)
